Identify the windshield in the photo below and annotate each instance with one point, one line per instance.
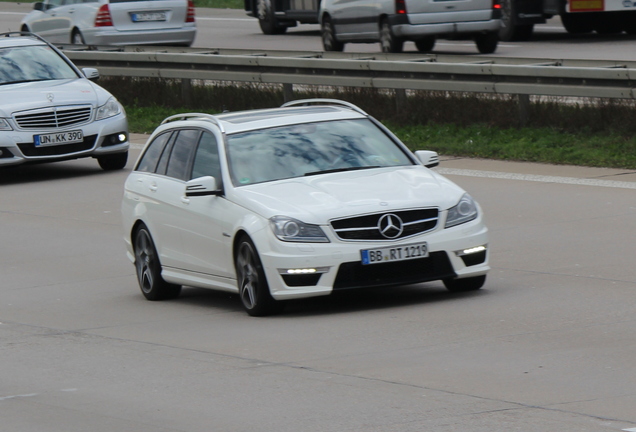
(310, 149)
(32, 63)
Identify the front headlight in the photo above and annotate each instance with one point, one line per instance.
(4, 125)
(109, 109)
(464, 211)
(293, 230)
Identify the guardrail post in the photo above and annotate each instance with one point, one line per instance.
(400, 99)
(288, 92)
(186, 91)
(524, 109)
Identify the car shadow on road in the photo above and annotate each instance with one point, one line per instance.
(50, 171)
(343, 302)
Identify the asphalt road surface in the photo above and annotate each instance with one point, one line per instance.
(227, 28)
(547, 345)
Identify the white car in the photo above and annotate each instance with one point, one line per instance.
(113, 22)
(298, 201)
(392, 22)
(51, 111)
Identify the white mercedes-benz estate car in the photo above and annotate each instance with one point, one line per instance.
(52, 111)
(298, 201)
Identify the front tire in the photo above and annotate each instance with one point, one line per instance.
(252, 282)
(465, 284)
(148, 269)
(329, 40)
(267, 19)
(113, 162)
(388, 41)
(487, 42)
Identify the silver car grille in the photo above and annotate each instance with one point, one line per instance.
(54, 117)
(387, 225)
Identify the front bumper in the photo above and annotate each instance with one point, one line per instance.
(100, 138)
(321, 268)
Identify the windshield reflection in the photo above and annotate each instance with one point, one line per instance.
(32, 63)
(310, 149)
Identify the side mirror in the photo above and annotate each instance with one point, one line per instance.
(428, 158)
(91, 73)
(39, 6)
(202, 186)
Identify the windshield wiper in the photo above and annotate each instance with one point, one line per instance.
(20, 81)
(335, 170)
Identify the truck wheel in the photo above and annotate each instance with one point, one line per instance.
(577, 23)
(388, 41)
(510, 30)
(266, 18)
(425, 45)
(329, 40)
(487, 42)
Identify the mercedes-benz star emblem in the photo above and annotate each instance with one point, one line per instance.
(390, 226)
(50, 97)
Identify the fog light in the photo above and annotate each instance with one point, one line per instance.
(299, 271)
(122, 137)
(470, 251)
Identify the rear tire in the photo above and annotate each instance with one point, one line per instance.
(77, 38)
(148, 268)
(267, 18)
(510, 30)
(388, 41)
(487, 42)
(465, 284)
(425, 45)
(577, 23)
(113, 162)
(329, 40)
(252, 282)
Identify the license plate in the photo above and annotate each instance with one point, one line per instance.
(148, 16)
(394, 253)
(52, 139)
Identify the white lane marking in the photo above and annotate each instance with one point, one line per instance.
(630, 430)
(538, 178)
(18, 396)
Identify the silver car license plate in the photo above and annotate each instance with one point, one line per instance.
(68, 137)
(148, 16)
(394, 253)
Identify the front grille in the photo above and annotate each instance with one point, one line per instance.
(368, 227)
(356, 275)
(54, 117)
(30, 150)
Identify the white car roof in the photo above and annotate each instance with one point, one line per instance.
(242, 121)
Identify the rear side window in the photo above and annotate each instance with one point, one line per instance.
(206, 159)
(149, 160)
(182, 153)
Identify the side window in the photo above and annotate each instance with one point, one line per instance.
(182, 153)
(148, 162)
(206, 159)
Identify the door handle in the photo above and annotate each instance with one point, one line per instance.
(153, 188)
(185, 200)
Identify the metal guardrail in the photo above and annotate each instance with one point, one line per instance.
(496, 75)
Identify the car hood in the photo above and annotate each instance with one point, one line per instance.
(38, 94)
(317, 199)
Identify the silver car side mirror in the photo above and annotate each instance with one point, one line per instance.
(428, 158)
(202, 186)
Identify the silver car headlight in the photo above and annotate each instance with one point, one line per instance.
(292, 230)
(4, 125)
(464, 211)
(109, 109)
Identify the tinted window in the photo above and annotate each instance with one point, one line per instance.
(206, 160)
(32, 63)
(181, 154)
(148, 162)
(309, 149)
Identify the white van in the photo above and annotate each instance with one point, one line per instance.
(392, 22)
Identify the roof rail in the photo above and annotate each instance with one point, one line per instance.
(22, 33)
(307, 102)
(194, 116)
